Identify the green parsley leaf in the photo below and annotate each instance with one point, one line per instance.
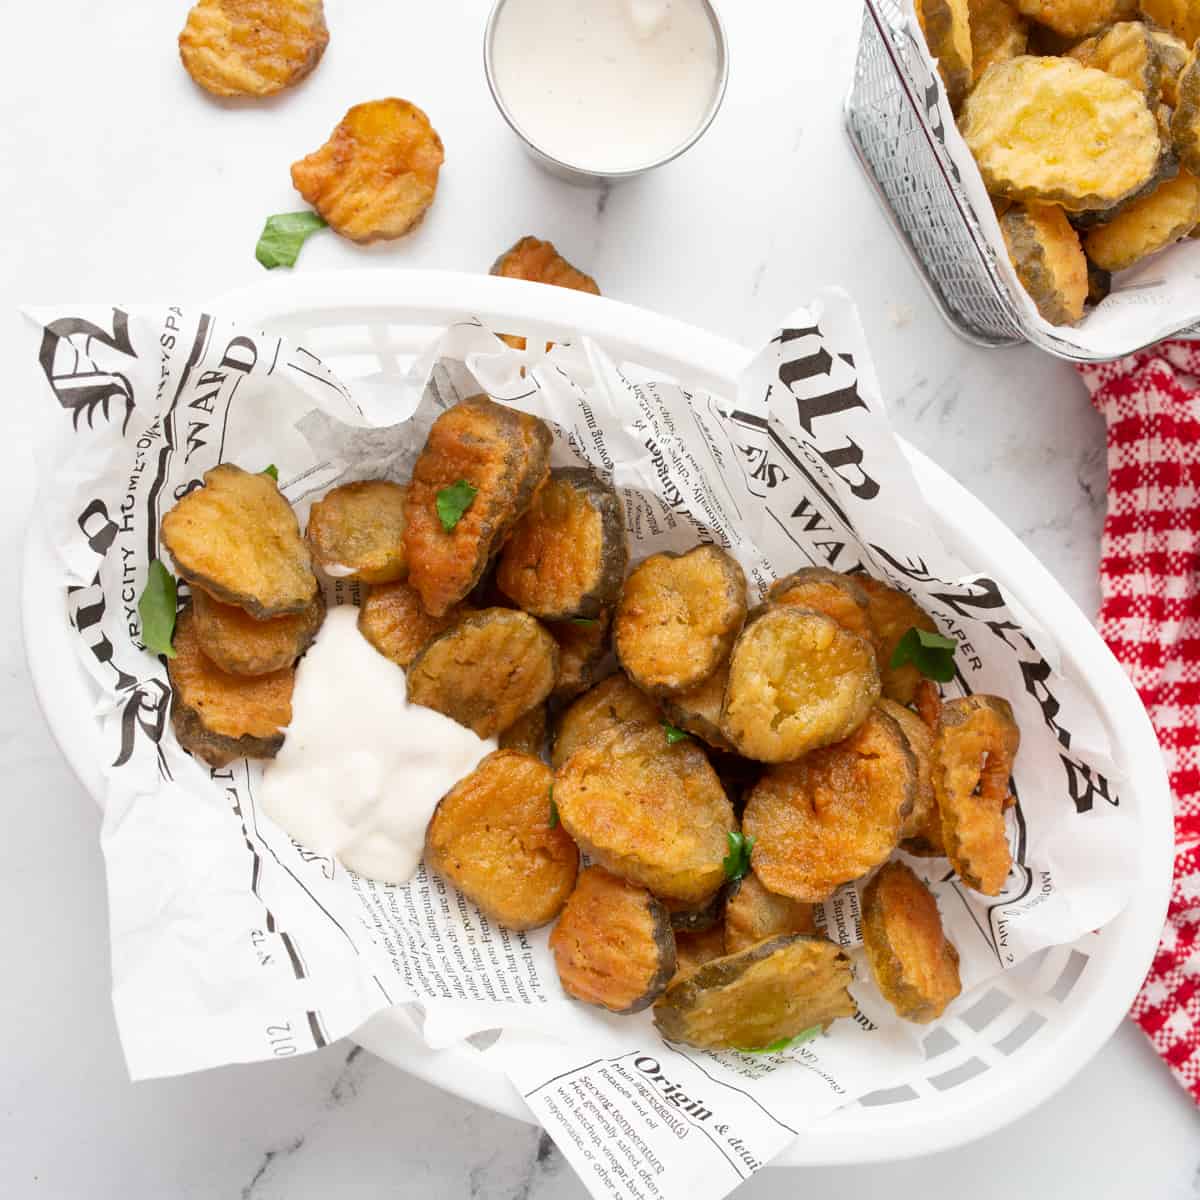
(156, 607)
(737, 861)
(674, 734)
(585, 621)
(931, 653)
(805, 1035)
(283, 235)
(272, 470)
(553, 813)
(453, 501)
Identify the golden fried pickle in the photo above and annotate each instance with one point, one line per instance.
(393, 620)
(834, 814)
(829, 592)
(357, 531)
(698, 710)
(752, 914)
(946, 26)
(378, 173)
(602, 712)
(238, 539)
(1172, 58)
(538, 261)
(998, 33)
(1185, 121)
(689, 918)
(1165, 216)
(504, 455)
(797, 680)
(1074, 18)
(677, 618)
(921, 832)
(769, 993)
(252, 47)
(613, 945)
(1049, 261)
(566, 557)
(694, 948)
(485, 671)
(893, 613)
(491, 836)
(976, 744)
(221, 717)
(1128, 51)
(649, 811)
(1179, 17)
(583, 646)
(527, 733)
(234, 641)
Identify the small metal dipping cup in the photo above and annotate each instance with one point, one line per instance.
(574, 173)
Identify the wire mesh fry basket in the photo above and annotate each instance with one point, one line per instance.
(895, 127)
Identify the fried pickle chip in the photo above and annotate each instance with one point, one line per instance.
(998, 33)
(921, 831)
(1185, 122)
(1172, 58)
(1128, 51)
(649, 811)
(393, 620)
(677, 618)
(602, 712)
(484, 672)
(1048, 259)
(1167, 215)
(613, 944)
(220, 717)
(252, 47)
(914, 965)
(893, 613)
(797, 680)
(976, 745)
(378, 173)
(947, 30)
(357, 531)
(238, 539)
(527, 733)
(1099, 284)
(1074, 18)
(566, 556)
(824, 591)
(491, 836)
(698, 710)
(694, 948)
(234, 641)
(504, 455)
(539, 262)
(834, 814)
(1180, 17)
(690, 918)
(769, 993)
(752, 914)
(583, 646)
(1051, 131)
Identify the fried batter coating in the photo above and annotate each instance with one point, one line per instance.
(582, 648)
(252, 47)
(566, 556)
(998, 33)
(234, 641)
(502, 453)
(797, 680)
(976, 745)
(698, 710)
(613, 944)
(893, 614)
(921, 832)
(1128, 51)
(1046, 254)
(688, 918)
(1172, 58)
(834, 814)
(914, 965)
(238, 539)
(357, 531)
(1165, 216)
(678, 617)
(539, 262)
(378, 173)
(649, 811)
(752, 914)
(946, 26)
(771, 992)
(1180, 17)
(527, 733)
(602, 712)
(393, 620)
(824, 591)
(1185, 122)
(1074, 18)
(221, 717)
(490, 835)
(693, 949)
(486, 671)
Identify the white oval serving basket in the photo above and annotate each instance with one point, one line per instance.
(1024, 1035)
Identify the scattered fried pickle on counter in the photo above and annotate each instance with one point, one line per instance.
(539, 262)
(237, 643)
(356, 531)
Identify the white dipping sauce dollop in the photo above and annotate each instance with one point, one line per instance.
(605, 85)
(361, 770)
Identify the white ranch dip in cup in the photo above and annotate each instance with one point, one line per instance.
(600, 90)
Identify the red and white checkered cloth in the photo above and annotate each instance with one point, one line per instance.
(1150, 617)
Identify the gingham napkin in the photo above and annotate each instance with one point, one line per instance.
(1150, 617)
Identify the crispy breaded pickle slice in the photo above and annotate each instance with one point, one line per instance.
(484, 672)
(1172, 58)
(892, 614)
(393, 620)
(1128, 51)
(583, 646)
(539, 262)
(221, 717)
(501, 453)
(527, 733)
(834, 814)
(771, 992)
(357, 531)
(690, 918)
(1051, 131)
(1180, 17)
(649, 811)
(252, 47)
(1074, 18)
(1185, 122)
(238, 539)
(233, 640)
(1166, 216)
(998, 33)
(797, 680)
(752, 914)
(824, 591)
(377, 174)
(947, 29)
(566, 557)
(976, 746)
(921, 831)
(914, 964)
(602, 712)
(491, 836)
(1168, 168)
(1099, 284)
(694, 948)
(677, 618)
(613, 944)
(1048, 259)
(698, 710)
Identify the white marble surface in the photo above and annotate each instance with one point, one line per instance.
(122, 182)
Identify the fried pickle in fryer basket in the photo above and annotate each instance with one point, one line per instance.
(1180, 17)
(998, 33)
(1074, 18)
(235, 642)
(753, 914)
(1166, 215)
(1049, 261)
(1185, 121)
(893, 614)
(394, 621)
(356, 531)
(946, 26)
(600, 714)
